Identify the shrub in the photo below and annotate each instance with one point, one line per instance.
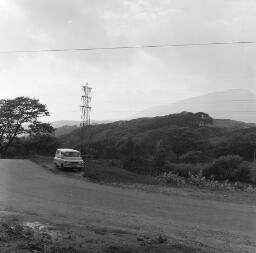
(173, 179)
(200, 181)
(34, 145)
(184, 169)
(136, 164)
(231, 167)
(193, 156)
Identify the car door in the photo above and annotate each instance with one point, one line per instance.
(57, 158)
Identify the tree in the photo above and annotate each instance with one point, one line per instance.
(132, 156)
(39, 128)
(163, 154)
(194, 156)
(18, 117)
(243, 144)
(189, 119)
(204, 119)
(159, 158)
(183, 140)
(34, 145)
(230, 167)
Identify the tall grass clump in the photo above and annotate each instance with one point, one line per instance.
(184, 169)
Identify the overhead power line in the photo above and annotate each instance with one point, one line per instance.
(127, 47)
(221, 100)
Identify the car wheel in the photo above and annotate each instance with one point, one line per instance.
(62, 167)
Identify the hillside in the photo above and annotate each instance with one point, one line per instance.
(61, 123)
(175, 135)
(154, 127)
(236, 104)
(219, 123)
(64, 130)
(228, 123)
(68, 126)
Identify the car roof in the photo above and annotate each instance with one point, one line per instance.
(67, 150)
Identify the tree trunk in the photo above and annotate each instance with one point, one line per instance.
(2, 153)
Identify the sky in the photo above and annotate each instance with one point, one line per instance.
(127, 81)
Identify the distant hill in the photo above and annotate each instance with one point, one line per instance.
(236, 104)
(176, 134)
(228, 123)
(68, 126)
(61, 123)
(149, 128)
(64, 130)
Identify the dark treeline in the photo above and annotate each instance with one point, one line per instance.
(45, 145)
(179, 142)
(154, 145)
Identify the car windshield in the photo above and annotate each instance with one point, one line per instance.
(71, 154)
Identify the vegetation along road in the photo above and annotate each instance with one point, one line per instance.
(27, 187)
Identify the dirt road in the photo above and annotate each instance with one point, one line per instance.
(26, 187)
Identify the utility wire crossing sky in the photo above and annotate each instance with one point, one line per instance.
(136, 54)
(127, 47)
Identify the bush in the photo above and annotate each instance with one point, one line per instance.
(231, 167)
(136, 164)
(200, 181)
(173, 179)
(193, 156)
(45, 145)
(184, 169)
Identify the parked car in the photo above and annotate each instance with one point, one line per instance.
(68, 158)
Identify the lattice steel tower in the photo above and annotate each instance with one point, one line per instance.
(85, 107)
(85, 115)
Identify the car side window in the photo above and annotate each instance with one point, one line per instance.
(58, 154)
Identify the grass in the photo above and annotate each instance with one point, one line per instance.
(101, 171)
(105, 171)
(17, 236)
(112, 171)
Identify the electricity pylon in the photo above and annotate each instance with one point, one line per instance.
(85, 111)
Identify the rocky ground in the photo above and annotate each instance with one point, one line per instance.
(18, 235)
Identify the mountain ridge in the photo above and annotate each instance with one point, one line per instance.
(61, 123)
(235, 104)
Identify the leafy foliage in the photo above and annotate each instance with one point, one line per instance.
(34, 145)
(194, 156)
(132, 157)
(231, 167)
(184, 169)
(183, 143)
(201, 181)
(14, 114)
(243, 144)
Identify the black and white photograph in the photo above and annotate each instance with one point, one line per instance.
(127, 126)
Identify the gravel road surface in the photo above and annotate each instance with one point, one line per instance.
(27, 187)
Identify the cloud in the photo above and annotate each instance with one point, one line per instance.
(129, 80)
